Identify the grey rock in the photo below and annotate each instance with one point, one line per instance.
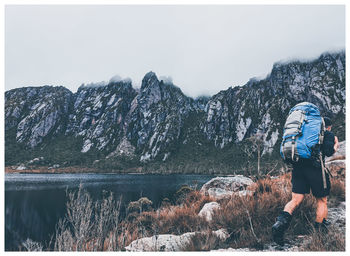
(168, 243)
(261, 106)
(339, 154)
(207, 210)
(337, 216)
(123, 149)
(99, 114)
(36, 112)
(36, 160)
(336, 167)
(221, 187)
(21, 167)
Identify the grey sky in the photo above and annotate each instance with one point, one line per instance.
(204, 49)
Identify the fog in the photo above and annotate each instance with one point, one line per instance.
(201, 49)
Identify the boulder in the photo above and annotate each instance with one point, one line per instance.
(221, 187)
(36, 160)
(336, 167)
(168, 243)
(340, 154)
(208, 210)
(21, 167)
(337, 216)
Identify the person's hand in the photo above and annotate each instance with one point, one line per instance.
(336, 143)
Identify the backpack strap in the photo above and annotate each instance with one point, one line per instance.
(322, 131)
(301, 121)
(293, 147)
(323, 172)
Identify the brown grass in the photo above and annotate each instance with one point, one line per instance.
(204, 241)
(173, 219)
(248, 219)
(332, 241)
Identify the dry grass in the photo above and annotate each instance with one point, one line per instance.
(332, 241)
(171, 219)
(204, 241)
(88, 225)
(337, 193)
(248, 219)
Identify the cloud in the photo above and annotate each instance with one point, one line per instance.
(166, 79)
(117, 78)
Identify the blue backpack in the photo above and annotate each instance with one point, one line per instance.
(302, 134)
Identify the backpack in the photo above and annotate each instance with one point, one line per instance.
(302, 134)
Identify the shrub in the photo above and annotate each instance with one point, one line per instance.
(143, 204)
(88, 225)
(181, 194)
(166, 202)
(333, 241)
(204, 241)
(249, 219)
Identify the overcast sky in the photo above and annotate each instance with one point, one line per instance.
(204, 49)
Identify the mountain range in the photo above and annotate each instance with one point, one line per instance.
(158, 124)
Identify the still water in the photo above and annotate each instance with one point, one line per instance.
(35, 202)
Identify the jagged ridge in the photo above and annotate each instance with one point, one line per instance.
(149, 124)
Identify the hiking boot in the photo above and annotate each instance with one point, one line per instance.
(280, 226)
(326, 222)
(322, 227)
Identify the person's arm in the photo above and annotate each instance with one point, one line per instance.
(336, 144)
(329, 142)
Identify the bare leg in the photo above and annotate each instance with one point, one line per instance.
(294, 203)
(284, 219)
(321, 210)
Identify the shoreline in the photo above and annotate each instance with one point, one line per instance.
(87, 170)
(64, 170)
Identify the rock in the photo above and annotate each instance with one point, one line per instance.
(222, 234)
(340, 154)
(208, 210)
(221, 187)
(37, 112)
(21, 167)
(36, 160)
(261, 105)
(98, 114)
(54, 166)
(337, 216)
(336, 167)
(245, 193)
(123, 149)
(168, 243)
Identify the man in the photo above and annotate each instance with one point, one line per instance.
(305, 175)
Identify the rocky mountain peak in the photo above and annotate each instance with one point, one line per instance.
(156, 119)
(149, 80)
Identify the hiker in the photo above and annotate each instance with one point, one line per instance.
(307, 174)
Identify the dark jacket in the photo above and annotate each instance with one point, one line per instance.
(328, 144)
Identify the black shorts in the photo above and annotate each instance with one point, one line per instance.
(305, 175)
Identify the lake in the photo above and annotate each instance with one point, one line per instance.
(35, 202)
